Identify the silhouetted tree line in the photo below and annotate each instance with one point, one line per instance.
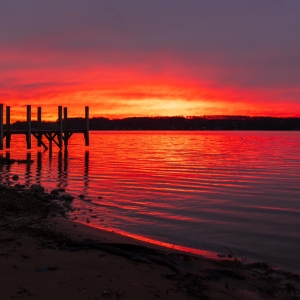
(176, 123)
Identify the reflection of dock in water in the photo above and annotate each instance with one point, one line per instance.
(7, 170)
(62, 170)
(28, 173)
(5, 167)
(63, 165)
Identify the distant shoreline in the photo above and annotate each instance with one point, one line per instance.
(195, 130)
(204, 123)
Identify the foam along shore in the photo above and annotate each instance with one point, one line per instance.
(44, 255)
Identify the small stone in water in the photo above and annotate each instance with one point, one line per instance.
(15, 177)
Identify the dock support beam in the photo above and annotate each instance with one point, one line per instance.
(60, 128)
(86, 133)
(1, 126)
(39, 126)
(28, 134)
(8, 136)
(39, 134)
(66, 135)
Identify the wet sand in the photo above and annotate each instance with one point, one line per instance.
(43, 255)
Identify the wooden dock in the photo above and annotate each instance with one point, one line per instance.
(59, 137)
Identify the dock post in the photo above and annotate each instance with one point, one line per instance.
(39, 126)
(60, 126)
(28, 134)
(1, 126)
(66, 134)
(8, 136)
(86, 133)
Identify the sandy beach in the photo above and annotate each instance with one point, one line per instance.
(44, 255)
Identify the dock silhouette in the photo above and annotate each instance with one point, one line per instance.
(59, 136)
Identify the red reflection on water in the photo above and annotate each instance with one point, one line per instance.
(142, 238)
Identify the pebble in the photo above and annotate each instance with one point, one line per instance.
(42, 269)
(37, 188)
(66, 196)
(57, 191)
(15, 177)
(45, 269)
(20, 186)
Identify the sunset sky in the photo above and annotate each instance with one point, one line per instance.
(150, 58)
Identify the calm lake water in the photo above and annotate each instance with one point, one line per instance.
(195, 190)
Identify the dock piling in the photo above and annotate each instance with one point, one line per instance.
(1, 126)
(28, 135)
(60, 127)
(8, 136)
(86, 133)
(39, 126)
(66, 135)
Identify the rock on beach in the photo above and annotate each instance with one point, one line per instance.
(57, 191)
(65, 196)
(37, 188)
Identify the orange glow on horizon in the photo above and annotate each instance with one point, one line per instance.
(130, 91)
(139, 101)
